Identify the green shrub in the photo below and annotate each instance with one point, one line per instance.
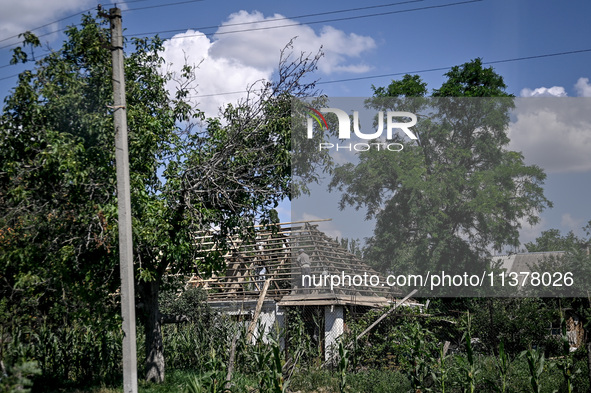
(17, 378)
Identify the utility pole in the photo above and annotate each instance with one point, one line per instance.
(124, 207)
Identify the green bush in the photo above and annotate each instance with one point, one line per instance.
(379, 381)
(65, 355)
(17, 377)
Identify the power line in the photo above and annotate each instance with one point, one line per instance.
(161, 5)
(63, 19)
(42, 55)
(423, 70)
(8, 77)
(323, 21)
(358, 17)
(288, 18)
(449, 67)
(545, 55)
(85, 11)
(283, 18)
(47, 24)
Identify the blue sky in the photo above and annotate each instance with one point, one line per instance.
(366, 43)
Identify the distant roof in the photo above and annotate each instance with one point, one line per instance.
(523, 262)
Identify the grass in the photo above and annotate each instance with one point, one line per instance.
(314, 380)
(176, 381)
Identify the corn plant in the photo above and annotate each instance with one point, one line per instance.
(441, 371)
(502, 363)
(213, 380)
(300, 344)
(566, 364)
(535, 363)
(343, 365)
(469, 367)
(269, 365)
(279, 384)
(420, 356)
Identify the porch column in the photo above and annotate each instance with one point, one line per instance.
(333, 329)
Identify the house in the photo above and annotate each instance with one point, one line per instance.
(263, 282)
(525, 262)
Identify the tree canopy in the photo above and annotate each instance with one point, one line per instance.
(58, 202)
(445, 201)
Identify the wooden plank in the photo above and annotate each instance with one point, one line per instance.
(257, 311)
(331, 360)
(380, 319)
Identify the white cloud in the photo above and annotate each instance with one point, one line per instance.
(19, 16)
(214, 75)
(553, 133)
(583, 87)
(328, 227)
(260, 46)
(572, 223)
(555, 91)
(231, 62)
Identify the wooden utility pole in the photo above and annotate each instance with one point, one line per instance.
(124, 207)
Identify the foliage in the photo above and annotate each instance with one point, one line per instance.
(68, 355)
(58, 205)
(16, 378)
(343, 366)
(391, 344)
(188, 304)
(378, 381)
(575, 260)
(552, 240)
(518, 322)
(268, 363)
(446, 200)
(503, 364)
(440, 372)
(409, 86)
(211, 381)
(189, 345)
(535, 363)
(198, 357)
(469, 368)
(420, 357)
(301, 334)
(566, 364)
(374, 380)
(352, 246)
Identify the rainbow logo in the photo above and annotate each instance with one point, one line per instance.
(316, 114)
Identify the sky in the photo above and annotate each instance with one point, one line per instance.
(540, 47)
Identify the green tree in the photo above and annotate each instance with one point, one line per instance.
(577, 261)
(58, 207)
(553, 240)
(445, 200)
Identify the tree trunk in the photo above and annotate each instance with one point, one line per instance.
(153, 328)
(588, 343)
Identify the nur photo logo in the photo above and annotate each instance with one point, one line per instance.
(392, 123)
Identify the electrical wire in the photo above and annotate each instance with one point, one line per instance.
(85, 11)
(161, 5)
(280, 19)
(276, 19)
(572, 52)
(546, 55)
(64, 18)
(321, 21)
